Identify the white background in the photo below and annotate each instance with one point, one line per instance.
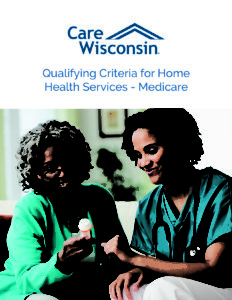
(197, 37)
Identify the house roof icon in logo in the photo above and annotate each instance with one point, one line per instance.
(134, 28)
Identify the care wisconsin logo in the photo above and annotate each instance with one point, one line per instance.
(126, 41)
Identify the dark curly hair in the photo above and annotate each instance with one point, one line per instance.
(30, 154)
(174, 128)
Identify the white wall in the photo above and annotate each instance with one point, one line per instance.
(216, 128)
(16, 124)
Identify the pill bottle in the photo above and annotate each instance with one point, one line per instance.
(85, 228)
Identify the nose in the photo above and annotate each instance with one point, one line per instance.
(143, 162)
(61, 172)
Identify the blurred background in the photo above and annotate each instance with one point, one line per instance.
(102, 130)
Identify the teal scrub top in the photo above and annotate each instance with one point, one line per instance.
(175, 243)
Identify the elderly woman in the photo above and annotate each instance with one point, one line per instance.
(184, 225)
(47, 259)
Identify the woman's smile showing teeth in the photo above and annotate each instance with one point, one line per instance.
(63, 184)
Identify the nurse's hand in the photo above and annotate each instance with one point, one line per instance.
(74, 250)
(124, 281)
(113, 246)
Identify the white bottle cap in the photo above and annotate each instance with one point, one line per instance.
(85, 225)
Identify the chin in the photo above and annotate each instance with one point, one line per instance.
(156, 179)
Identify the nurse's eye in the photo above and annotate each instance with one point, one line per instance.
(152, 150)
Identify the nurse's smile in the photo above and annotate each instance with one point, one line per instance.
(148, 154)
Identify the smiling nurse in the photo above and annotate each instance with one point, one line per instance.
(149, 154)
(183, 227)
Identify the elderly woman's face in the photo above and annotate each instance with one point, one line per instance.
(55, 172)
(149, 154)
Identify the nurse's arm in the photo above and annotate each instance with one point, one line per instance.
(214, 259)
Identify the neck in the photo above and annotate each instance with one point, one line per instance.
(68, 204)
(180, 185)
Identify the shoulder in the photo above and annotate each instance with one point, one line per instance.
(212, 179)
(214, 176)
(93, 191)
(93, 188)
(149, 201)
(31, 214)
(32, 203)
(215, 187)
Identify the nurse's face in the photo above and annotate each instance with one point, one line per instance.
(149, 154)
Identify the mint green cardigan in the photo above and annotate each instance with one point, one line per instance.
(35, 237)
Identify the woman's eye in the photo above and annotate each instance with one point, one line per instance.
(50, 169)
(153, 150)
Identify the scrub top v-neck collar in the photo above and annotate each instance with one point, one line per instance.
(177, 218)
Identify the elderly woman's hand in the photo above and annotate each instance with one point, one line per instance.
(123, 282)
(112, 246)
(74, 250)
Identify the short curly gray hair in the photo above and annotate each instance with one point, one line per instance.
(30, 154)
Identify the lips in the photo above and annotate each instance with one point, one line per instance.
(151, 172)
(63, 184)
